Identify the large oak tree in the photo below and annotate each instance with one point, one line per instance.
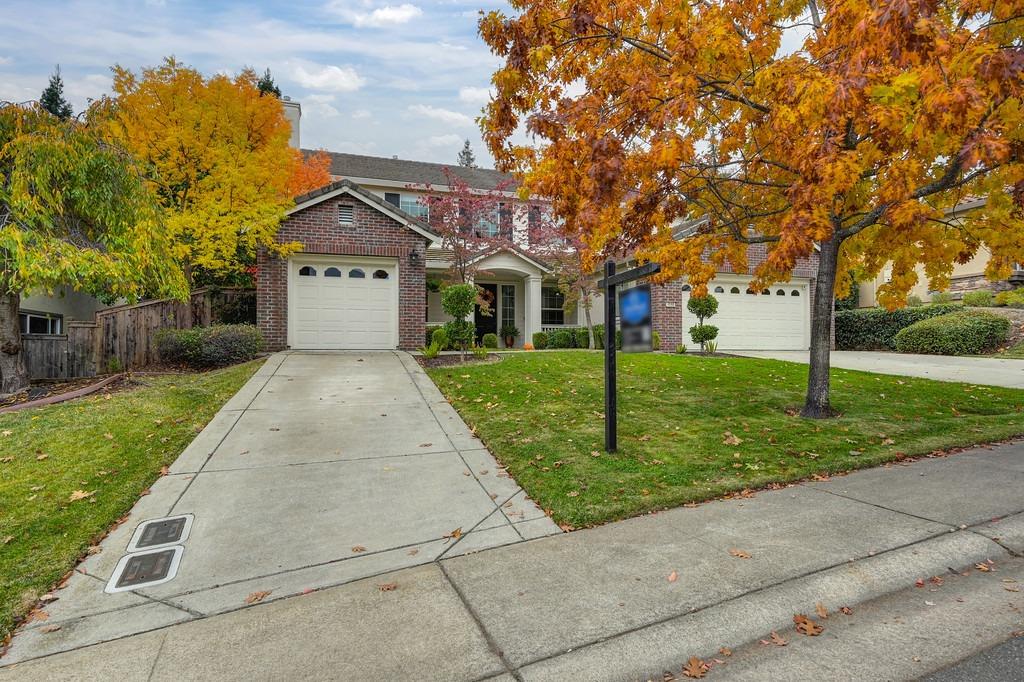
(847, 126)
(75, 213)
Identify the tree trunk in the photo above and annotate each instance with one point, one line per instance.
(817, 405)
(590, 324)
(13, 372)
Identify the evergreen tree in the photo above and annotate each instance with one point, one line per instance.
(267, 86)
(466, 157)
(53, 100)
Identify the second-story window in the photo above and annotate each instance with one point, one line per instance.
(410, 203)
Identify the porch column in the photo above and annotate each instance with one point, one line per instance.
(532, 307)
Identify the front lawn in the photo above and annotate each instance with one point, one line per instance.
(105, 450)
(1015, 351)
(692, 428)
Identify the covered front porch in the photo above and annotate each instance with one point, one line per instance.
(523, 295)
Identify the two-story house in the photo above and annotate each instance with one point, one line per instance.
(366, 275)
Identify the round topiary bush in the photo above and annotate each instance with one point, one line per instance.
(968, 332)
(561, 338)
(582, 338)
(490, 340)
(540, 340)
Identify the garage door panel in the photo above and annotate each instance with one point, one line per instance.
(343, 312)
(757, 321)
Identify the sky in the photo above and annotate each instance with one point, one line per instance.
(378, 77)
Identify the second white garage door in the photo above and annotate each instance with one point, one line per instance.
(775, 319)
(343, 303)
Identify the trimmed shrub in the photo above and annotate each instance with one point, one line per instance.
(599, 336)
(561, 338)
(702, 333)
(983, 298)
(875, 328)
(582, 338)
(1014, 298)
(439, 337)
(942, 297)
(540, 340)
(655, 340)
(457, 300)
(479, 352)
(681, 348)
(490, 340)
(430, 332)
(216, 346)
(968, 332)
(459, 334)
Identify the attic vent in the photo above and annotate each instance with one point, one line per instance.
(345, 213)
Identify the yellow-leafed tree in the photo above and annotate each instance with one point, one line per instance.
(216, 154)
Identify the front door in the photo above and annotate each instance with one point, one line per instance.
(487, 324)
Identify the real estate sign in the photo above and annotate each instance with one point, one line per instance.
(635, 319)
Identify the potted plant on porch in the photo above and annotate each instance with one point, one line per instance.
(510, 334)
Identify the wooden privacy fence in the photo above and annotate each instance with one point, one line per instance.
(124, 337)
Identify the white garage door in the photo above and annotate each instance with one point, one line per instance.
(775, 319)
(342, 303)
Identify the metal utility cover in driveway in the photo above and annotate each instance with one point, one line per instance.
(145, 569)
(159, 532)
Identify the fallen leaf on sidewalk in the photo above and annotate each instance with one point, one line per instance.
(695, 668)
(1011, 588)
(985, 568)
(673, 576)
(846, 610)
(820, 609)
(387, 587)
(806, 626)
(47, 629)
(739, 554)
(413, 552)
(775, 639)
(358, 548)
(919, 582)
(725, 651)
(164, 470)
(255, 597)
(454, 535)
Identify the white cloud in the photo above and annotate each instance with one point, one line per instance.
(381, 17)
(451, 140)
(321, 105)
(471, 95)
(327, 77)
(4, 61)
(361, 113)
(439, 114)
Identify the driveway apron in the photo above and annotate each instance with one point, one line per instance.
(325, 468)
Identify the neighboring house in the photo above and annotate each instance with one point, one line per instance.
(367, 274)
(966, 277)
(41, 313)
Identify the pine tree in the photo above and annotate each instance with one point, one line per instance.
(267, 86)
(466, 157)
(53, 100)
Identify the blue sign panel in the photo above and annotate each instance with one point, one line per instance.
(635, 319)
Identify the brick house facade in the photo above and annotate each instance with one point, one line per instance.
(372, 233)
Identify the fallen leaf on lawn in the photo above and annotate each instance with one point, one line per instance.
(573, 493)
(47, 629)
(739, 554)
(806, 626)
(41, 457)
(387, 587)
(644, 437)
(729, 439)
(257, 596)
(6, 432)
(888, 441)
(454, 535)
(820, 609)
(80, 495)
(108, 436)
(673, 576)
(695, 668)
(775, 640)
(725, 651)
(6, 540)
(358, 548)
(6, 460)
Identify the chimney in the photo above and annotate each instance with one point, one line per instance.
(293, 112)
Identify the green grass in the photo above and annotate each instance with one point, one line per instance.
(541, 415)
(1014, 351)
(112, 446)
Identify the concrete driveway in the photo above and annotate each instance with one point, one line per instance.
(325, 468)
(989, 371)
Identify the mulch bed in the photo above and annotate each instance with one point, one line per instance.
(43, 391)
(453, 360)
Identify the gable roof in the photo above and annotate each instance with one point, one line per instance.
(339, 187)
(410, 172)
(515, 250)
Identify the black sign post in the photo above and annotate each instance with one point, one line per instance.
(635, 324)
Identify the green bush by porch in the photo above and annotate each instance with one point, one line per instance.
(693, 428)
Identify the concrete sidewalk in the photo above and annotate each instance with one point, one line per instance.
(600, 604)
(988, 371)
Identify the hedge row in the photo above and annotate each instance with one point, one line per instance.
(216, 346)
(876, 328)
(969, 332)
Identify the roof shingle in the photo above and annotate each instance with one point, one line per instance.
(412, 172)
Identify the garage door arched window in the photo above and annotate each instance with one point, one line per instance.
(380, 274)
(356, 273)
(751, 291)
(780, 292)
(795, 292)
(332, 272)
(686, 287)
(719, 290)
(734, 290)
(307, 271)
